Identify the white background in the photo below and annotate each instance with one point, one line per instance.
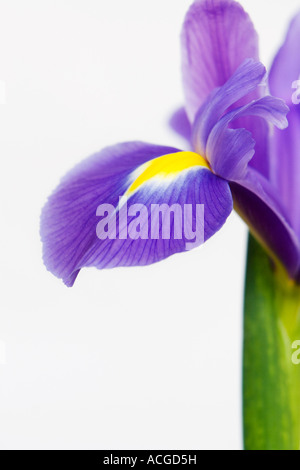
(139, 358)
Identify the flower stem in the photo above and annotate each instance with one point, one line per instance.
(271, 388)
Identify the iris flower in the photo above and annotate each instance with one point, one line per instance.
(232, 159)
(242, 131)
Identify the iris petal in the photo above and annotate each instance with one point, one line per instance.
(285, 164)
(285, 70)
(230, 150)
(67, 220)
(217, 37)
(257, 203)
(180, 123)
(245, 79)
(285, 174)
(135, 177)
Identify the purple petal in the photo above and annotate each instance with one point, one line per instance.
(194, 188)
(257, 203)
(181, 125)
(70, 220)
(71, 210)
(260, 131)
(285, 165)
(285, 174)
(217, 37)
(286, 67)
(230, 150)
(246, 79)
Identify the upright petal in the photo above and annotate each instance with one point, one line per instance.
(285, 164)
(217, 37)
(248, 76)
(285, 71)
(229, 151)
(285, 174)
(101, 215)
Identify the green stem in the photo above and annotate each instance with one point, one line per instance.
(271, 374)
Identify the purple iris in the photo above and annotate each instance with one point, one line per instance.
(240, 157)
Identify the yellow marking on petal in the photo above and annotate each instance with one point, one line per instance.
(167, 166)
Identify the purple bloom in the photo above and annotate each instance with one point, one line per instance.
(228, 119)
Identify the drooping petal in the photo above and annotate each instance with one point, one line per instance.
(285, 71)
(101, 214)
(230, 150)
(286, 166)
(257, 203)
(65, 223)
(217, 37)
(245, 79)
